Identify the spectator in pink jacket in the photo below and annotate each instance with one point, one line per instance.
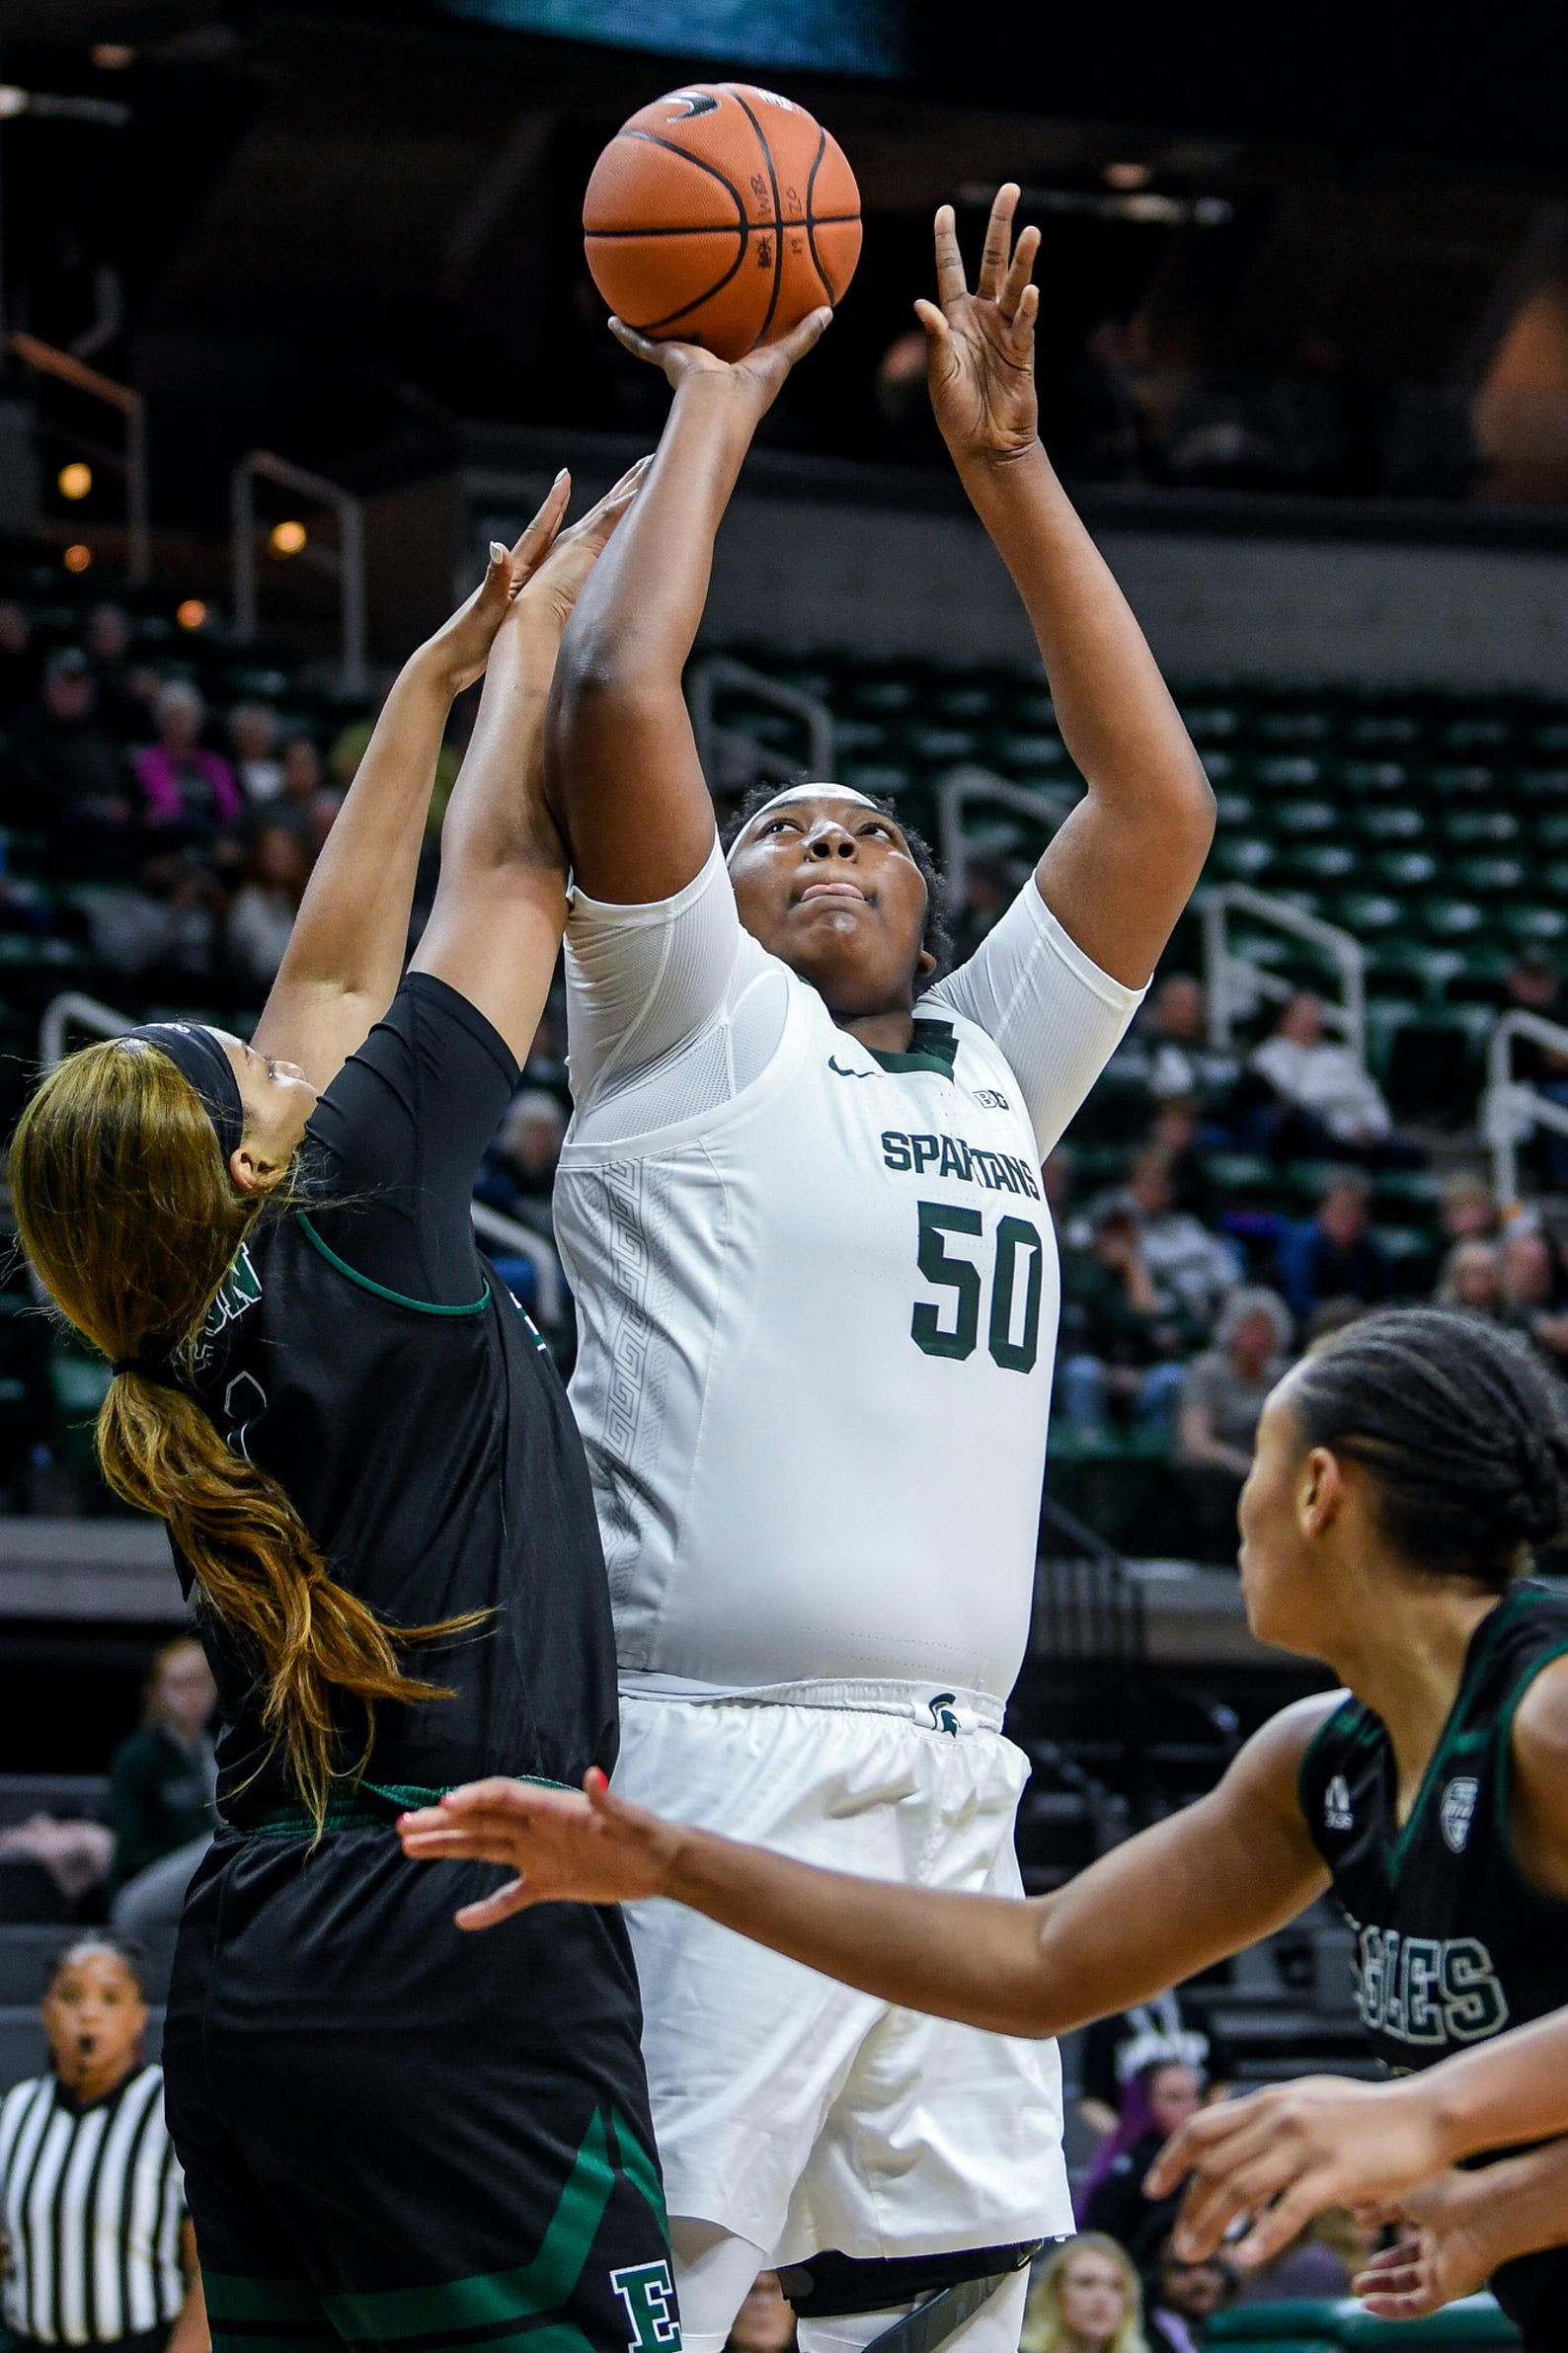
(186, 787)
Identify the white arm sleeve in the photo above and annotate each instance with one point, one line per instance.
(1057, 1017)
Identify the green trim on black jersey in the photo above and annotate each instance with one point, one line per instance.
(1453, 1734)
(934, 1046)
(379, 1289)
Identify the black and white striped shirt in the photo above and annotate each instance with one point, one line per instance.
(91, 2201)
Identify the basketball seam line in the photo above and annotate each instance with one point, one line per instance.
(710, 228)
(778, 213)
(741, 226)
(811, 226)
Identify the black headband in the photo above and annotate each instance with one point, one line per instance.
(196, 1055)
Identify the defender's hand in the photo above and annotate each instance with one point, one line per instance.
(1450, 2249)
(980, 347)
(1284, 2154)
(460, 648)
(760, 376)
(552, 587)
(564, 1849)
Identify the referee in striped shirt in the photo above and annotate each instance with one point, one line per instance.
(98, 2249)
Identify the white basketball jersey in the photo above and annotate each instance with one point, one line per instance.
(816, 1324)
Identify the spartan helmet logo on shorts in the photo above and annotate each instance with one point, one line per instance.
(1337, 1813)
(942, 1717)
(1458, 1811)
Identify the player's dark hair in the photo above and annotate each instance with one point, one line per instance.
(936, 938)
(1461, 1428)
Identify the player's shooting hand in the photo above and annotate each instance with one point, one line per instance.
(551, 588)
(1284, 2155)
(460, 648)
(759, 377)
(981, 346)
(564, 1849)
(1450, 2248)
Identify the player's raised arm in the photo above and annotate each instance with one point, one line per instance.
(624, 780)
(1123, 866)
(345, 954)
(1167, 1904)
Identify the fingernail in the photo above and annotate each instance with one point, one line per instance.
(560, 478)
(498, 554)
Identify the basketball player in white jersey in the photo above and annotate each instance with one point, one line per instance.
(816, 1284)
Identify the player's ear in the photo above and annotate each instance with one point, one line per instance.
(924, 965)
(1321, 1493)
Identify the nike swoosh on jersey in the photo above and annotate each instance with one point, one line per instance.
(839, 1069)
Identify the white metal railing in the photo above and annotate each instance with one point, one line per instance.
(45, 361)
(74, 1011)
(962, 788)
(733, 760)
(1511, 1107)
(1236, 983)
(346, 561)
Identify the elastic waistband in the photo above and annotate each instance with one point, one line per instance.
(369, 1805)
(930, 1705)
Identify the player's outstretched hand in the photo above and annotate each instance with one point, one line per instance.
(553, 585)
(981, 346)
(564, 1849)
(461, 646)
(760, 375)
(1447, 2250)
(1284, 2155)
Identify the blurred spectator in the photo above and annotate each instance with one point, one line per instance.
(1472, 1282)
(1179, 2298)
(1335, 1257)
(301, 780)
(188, 790)
(1168, 1046)
(1085, 2299)
(253, 739)
(164, 926)
(126, 688)
(17, 664)
(98, 2240)
(989, 891)
(1319, 2263)
(1184, 1258)
(66, 774)
(1335, 1100)
(76, 1855)
(1114, 2049)
(1156, 2102)
(1221, 1402)
(1469, 1210)
(765, 2322)
(1532, 1293)
(162, 1785)
(518, 1174)
(1120, 1332)
(1532, 985)
(1175, 1132)
(264, 906)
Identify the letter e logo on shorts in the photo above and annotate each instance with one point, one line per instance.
(649, 2294)
(1458, 1812)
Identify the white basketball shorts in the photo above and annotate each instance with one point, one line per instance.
(789, 2109)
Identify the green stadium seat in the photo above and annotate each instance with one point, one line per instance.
(1551, 831)
(1293, 727)
(1366, 912)
(1534, 926)
(1388, 822)
(1487, 877)
(1300, 818)
(1404, 870)
(1239, 858)
(941, 743)
(1233, 809)
(1383, 731)
(1542, 785)
(1288, 774)
(1460, 781)
(1446, 919)
(1385, 779)
(1028, 752)
(1323, 861)
(1475, 829)
(1475, 735)
(1211, 723)
(1401, 963)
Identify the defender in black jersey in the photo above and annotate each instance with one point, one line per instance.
(1404, 1471)
(392, 2136)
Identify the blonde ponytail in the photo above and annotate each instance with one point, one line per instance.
(126, 1209)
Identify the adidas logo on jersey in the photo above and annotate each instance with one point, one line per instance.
(1458, 1812)
(1337, 1813)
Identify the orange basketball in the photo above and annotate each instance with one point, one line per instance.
(721, 215)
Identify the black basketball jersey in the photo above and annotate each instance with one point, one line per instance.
(363, 1352)
(1453, 1943)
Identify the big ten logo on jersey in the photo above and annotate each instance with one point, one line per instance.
(649, 2294)
(1427, 1989)
(238, 1292)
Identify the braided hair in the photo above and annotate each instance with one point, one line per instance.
(936, 938)
(1461, 1428)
